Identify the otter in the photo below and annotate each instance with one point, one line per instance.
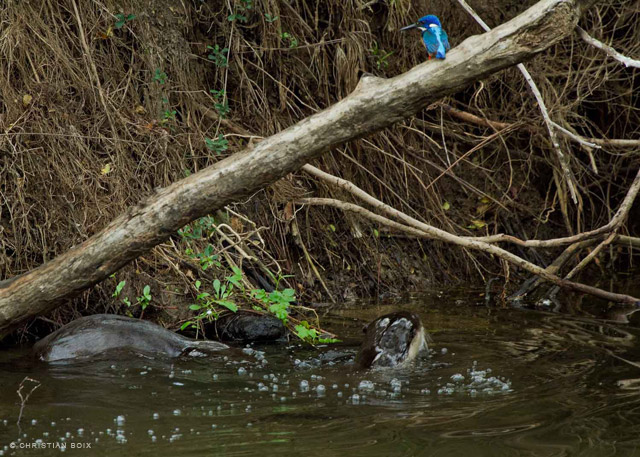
(392, 340)
(100, 334)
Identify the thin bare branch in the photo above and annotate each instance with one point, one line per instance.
(624, 60)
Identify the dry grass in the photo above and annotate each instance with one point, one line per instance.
(59, 129)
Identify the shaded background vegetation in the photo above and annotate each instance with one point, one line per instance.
(167, 88)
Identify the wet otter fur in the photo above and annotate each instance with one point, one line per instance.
(392, 340)
(103, 334)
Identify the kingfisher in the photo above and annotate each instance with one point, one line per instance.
(434, 38)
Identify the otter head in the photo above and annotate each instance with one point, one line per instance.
(391, 340)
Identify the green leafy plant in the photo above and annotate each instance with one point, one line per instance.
(145, 299)
(219, 56)
(160, 76)
(380, 55)
(220, 103)
(121, 19)
(119, 287)
(168, 115)
(269, 18)
(290, 39)
(241, 9)
(277, 301)
(198, 229)
(208, 304)
(305, 332)
(207, 258)
(217, 145)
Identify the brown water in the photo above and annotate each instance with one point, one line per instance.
(499, 382)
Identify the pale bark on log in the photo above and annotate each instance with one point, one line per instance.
(375, 104)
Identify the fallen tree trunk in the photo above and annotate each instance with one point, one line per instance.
(375, 104)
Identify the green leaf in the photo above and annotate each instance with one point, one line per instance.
(195, 307)
(476, 224)
(280, 310)
(187, 324)
(218, 145)
(289, 293)
(120, 20)
(160, 76)
(228, 304)
(119, 288)
(259, 294)
(329, 340)
(446, 206)
(216, 286)
(306, 333)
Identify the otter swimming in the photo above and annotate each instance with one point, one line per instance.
(392, 340)
(97, 335)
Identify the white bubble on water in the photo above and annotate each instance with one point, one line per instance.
(366, 385)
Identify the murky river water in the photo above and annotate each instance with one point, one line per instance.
(498, 382)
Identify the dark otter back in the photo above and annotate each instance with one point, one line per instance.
(97, 335)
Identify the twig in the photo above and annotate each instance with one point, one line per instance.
(626, 61)
(562, 158)
(473, 119)
(577, 138)
(619, 142)
(25, 398)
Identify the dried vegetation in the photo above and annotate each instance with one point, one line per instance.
(101, 102)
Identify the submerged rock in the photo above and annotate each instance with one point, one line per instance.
(100, 334)
(246, 326)
(392, 340)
